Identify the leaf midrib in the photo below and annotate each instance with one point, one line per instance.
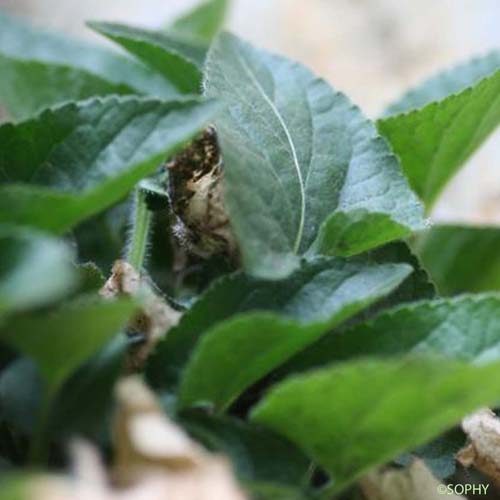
(254, 80)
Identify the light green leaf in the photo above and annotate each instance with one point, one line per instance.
(434, 142)
(34, 270)
(75, 160)
(40, 68)
(177, 59)
(461, 258)
(467, 328)
(313, 294)
(445, 83)
(204, 21)
(27, 87)
(296, 154)
(60, 341)
(354, 416)
(235, 353)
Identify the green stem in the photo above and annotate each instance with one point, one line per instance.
(141, 224)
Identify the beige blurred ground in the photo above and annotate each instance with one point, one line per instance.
(371, 49)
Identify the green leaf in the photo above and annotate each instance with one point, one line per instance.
(100, 239)
(263, 491)
(434, 142)
(40, 68)
(82, 406)
(354, 416)
(60, 341)
(16, 486)
(445, 83)
(439, 454)
(75, 160)
(461, 258)
(234, 354)
(258, 455)
(34, 270)
(320, 292)
(204, 21)
(300, 159)
(21, 389)
(179, 61)
(85, 402)
(416, 286)
(27, 87)
(465, 328)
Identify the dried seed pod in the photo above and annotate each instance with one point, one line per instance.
(195, 187)
(151, 323)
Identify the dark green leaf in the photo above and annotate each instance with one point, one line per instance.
(417, 286)
(461, 258)
(238, 352)
(62, 340)
(101, 238)
(85, 402)
(354, 416)
(257, 454)
(21, 389)
(204, 21)
(75, 160)
(439, 454)
(447, 82)
(34, 269)
(27, 87)
(434, 142)
(320, 292)
(466, 327)
(91, 278)
(297, 155)
(40, 68)
(178, 60)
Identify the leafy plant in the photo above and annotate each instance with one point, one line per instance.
(320, 332)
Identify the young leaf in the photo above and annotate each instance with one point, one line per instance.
(322, 291)
(466, 328)
(461, 258)
(297, 155)
(178, 60)
(446, 83)
(34, 270)
(40, 69)
(75, 160)
(61, 341)
(434, 142)
(234, 354)
(354, 416)
(204, 21)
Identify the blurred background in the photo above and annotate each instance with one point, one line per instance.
(370, 49)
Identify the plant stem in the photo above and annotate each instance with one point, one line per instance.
(141, 224)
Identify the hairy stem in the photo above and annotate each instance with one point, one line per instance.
(141, 223)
